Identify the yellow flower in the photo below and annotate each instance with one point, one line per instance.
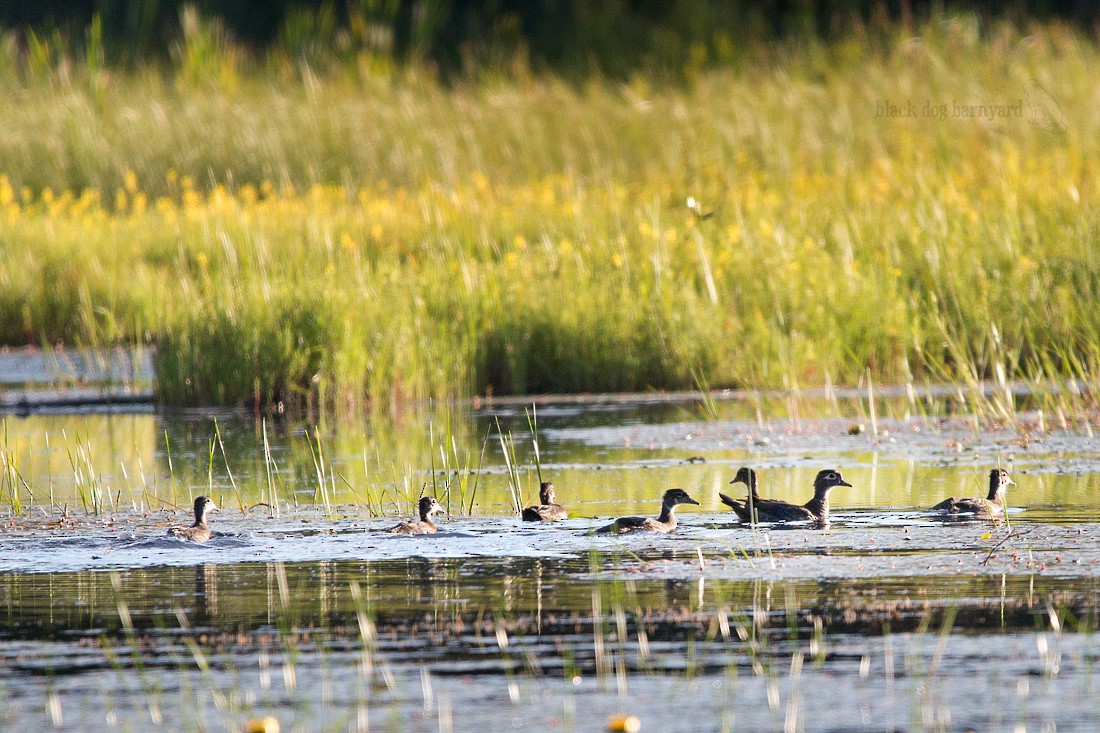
(347, 243)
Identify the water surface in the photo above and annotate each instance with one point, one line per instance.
(302, 607)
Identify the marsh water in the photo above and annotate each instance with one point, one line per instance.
(302, 608)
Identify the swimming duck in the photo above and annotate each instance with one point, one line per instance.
(197, 532)
(664, 523)
(991, 506)
(773, 510)
(547, 511)
(427, 506)
(747, 476)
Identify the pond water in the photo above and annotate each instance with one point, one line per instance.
(302, 608)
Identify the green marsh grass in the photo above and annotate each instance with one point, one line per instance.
(356, 237)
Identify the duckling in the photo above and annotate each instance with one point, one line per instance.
(747, 476)
(991, 506)
(665, 523)
(547, 511)
(427, 506)
(816, 510)
(197, 532)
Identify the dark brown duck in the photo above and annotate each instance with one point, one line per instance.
(773, 510)
(747, 476)
(427, 506)
(991, 506)
(664, 523)
(197, 532)
(547, 510)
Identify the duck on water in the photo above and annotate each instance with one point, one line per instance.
(816, 510)
(665, 523)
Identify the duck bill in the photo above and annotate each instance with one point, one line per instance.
(842, 482)
(739, 481)
(691, 501)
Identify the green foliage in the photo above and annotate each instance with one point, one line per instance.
(337, 235)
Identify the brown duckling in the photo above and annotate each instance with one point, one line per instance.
(664, 523)
(197, 532)
(816, 510)
(547, 511)
(991, 506)
(427, 506)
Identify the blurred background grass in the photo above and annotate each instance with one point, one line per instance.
(320, 223)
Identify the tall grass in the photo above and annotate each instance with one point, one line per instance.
(352, 236)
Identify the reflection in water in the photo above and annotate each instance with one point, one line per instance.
(528, 593)
(502, 630)
(610, 458)
(206, 595)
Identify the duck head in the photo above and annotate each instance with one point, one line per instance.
(674, 497)
(829, 479)
(203, 505)
(746, 476)
(999, 480)
(429, 506)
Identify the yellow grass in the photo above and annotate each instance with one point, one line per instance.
(347, 236)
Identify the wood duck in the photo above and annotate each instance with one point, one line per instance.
(427, 506)
(547, 511)
(816, 510)
(747, 476)
(197, 532)
(664, 523)
(991, 506)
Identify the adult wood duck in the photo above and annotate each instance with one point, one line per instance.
(197, 532)
(547, 511)
(991, 506)
(664, 523)
(816, 510)
(427, 506)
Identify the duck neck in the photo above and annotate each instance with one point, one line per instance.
(752, 488)
(668, 514)
(200, 519)
(819, 505)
